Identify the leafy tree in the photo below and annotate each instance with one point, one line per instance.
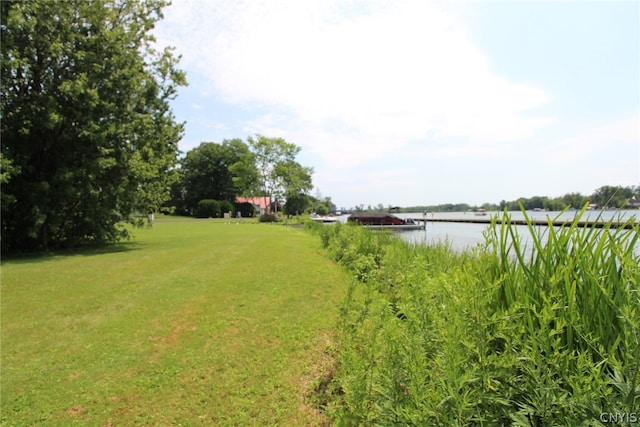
(574, 200)
(7, 170)
(278, 172)
(176, 202)
(555, 204)
(322, 210)
(320, 204)
(612, 196)
(489, 206)
(296, 204)
(208, 173)
(85, 120)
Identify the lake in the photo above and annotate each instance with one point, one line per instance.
(463, 236)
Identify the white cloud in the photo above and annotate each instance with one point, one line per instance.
(352, 81)
(617, 136)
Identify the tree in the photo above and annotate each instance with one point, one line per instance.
(612, 196)
(278, 172)
(555, 204)
(322, 210)
(208, 172)
(574, 200)
(296, 204)
(86, 123)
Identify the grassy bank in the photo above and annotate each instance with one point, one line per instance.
(498, 336)
(192, 323)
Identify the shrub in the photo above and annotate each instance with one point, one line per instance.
(208, 208)
(226, 207)
(322, 210)
(168, 210)
(245, 209)
(268, 218)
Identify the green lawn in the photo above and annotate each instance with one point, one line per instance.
(194, 322)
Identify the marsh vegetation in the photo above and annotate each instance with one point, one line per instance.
(492, 336)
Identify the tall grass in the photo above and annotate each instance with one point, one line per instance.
(502, 335)
(576, 294)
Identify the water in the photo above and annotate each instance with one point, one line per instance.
(465, 236)
(461, 236)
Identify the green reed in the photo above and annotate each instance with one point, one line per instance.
(577, 291)
(501, 335)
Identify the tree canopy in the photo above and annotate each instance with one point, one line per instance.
(279, 174)
(606, 196)
(207, 172)
(261, 167)
(88, 138)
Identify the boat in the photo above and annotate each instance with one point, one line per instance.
(384, 221)
(324, 219)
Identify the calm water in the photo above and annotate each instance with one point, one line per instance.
(463, 236)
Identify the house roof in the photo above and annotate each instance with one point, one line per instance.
(262, 201)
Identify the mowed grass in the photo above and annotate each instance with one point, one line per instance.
(192, 323)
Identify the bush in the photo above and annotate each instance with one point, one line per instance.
(245, 209)
(268, 218)
(226, 207)
(322, 210)
(168, 210)
(208, 208)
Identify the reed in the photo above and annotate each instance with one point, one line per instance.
(501, 335)
(577, 293)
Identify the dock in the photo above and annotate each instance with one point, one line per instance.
(486, 219)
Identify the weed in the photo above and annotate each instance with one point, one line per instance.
(502, 335)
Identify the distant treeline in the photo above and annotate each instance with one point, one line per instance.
(606, 197)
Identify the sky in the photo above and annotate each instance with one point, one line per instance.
(410, 103)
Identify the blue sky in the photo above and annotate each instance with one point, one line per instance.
(415, 102)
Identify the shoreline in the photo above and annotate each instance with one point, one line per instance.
(535, 221)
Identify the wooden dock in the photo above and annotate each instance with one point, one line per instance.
(539, 222)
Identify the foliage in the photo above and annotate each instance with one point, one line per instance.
(7, 170)
(86, 125)
(207, 173)
(268, 218)
(614, 196)
(604, 197)
(176, 201)
(278, 172)
(320, 204)
(573, 200)
(245, 209)
(503, 335)
(226, 207)
(208, 208)
(322, 210)
(296, 204)
(193, 323)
